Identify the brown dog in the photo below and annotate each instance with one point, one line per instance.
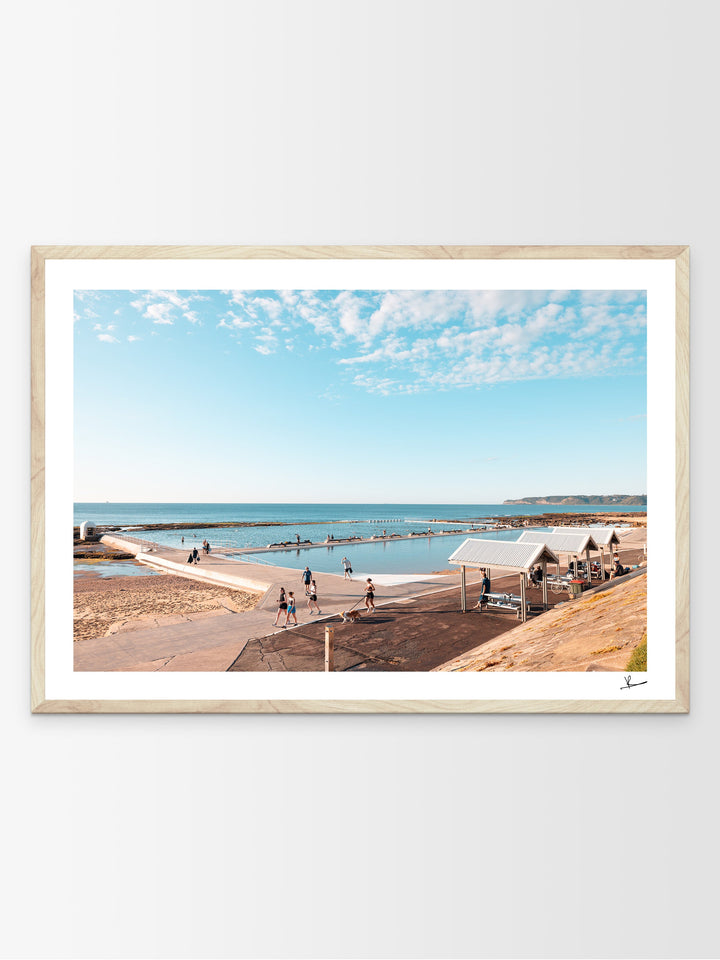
(351, 617)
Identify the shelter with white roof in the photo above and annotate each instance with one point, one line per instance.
(509, 557)
(603, 536)
(576, 544)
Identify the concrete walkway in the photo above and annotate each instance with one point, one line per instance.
(213, 643)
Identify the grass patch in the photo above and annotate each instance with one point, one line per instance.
(606, 650)
(638, 660)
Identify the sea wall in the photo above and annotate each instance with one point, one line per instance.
(218, 577)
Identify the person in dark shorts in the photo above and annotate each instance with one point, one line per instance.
(306, 578)
(282, 606)
(347, 568)
(195, 555)
(370, 595)
(312, 598)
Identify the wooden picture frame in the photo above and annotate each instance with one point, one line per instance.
(675, 257)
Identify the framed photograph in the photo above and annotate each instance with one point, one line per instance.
(360, 479)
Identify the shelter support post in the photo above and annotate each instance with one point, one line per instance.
(544, 575)
(602, 565)
(588, 574)
(523, 608)
(463, 595)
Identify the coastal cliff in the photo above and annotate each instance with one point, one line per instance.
(621, 499)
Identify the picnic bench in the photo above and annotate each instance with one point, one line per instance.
(505, 601)
(559, 582)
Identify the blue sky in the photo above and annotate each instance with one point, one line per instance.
(358, 395)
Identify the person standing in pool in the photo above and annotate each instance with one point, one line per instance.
(370, 595)
(291, 609)
(282, 606)
(348, 569)
(312, 598)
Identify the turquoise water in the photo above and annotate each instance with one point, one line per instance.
(311, 521)
(118, 568)
(419, 555)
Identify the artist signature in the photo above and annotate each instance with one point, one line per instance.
(628, 684)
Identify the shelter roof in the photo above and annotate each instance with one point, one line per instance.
(603, 536)
(563, 542)
(501, 553)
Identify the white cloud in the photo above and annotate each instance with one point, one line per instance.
(107, 338)
(160, 313)
(132, 339)
(234, 322)
(160, 306)
(266, 342)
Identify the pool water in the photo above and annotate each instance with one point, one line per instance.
(419, 555)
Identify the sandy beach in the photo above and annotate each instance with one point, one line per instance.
(107, 605)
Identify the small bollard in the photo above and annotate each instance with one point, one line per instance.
(329, 649)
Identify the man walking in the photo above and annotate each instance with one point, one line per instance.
(347, 568)
(306, 578)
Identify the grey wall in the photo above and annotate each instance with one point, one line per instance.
(330, 122)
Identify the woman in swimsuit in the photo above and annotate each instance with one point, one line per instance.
(291, 609)
(370, 595)
(312, 597)
(282, 605)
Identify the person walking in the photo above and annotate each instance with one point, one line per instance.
(306, 578)
(312, 598)
(282, 607)
(291, 609)
(195, 555)
(348, 569)
(370, 595)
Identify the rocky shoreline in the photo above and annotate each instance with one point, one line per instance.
(544, 519)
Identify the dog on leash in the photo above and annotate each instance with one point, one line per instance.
(351, 616)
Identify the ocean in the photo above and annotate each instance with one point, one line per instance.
(315, 522)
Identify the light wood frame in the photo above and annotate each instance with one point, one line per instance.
(680, 254)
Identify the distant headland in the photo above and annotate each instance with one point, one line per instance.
(622, 499)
